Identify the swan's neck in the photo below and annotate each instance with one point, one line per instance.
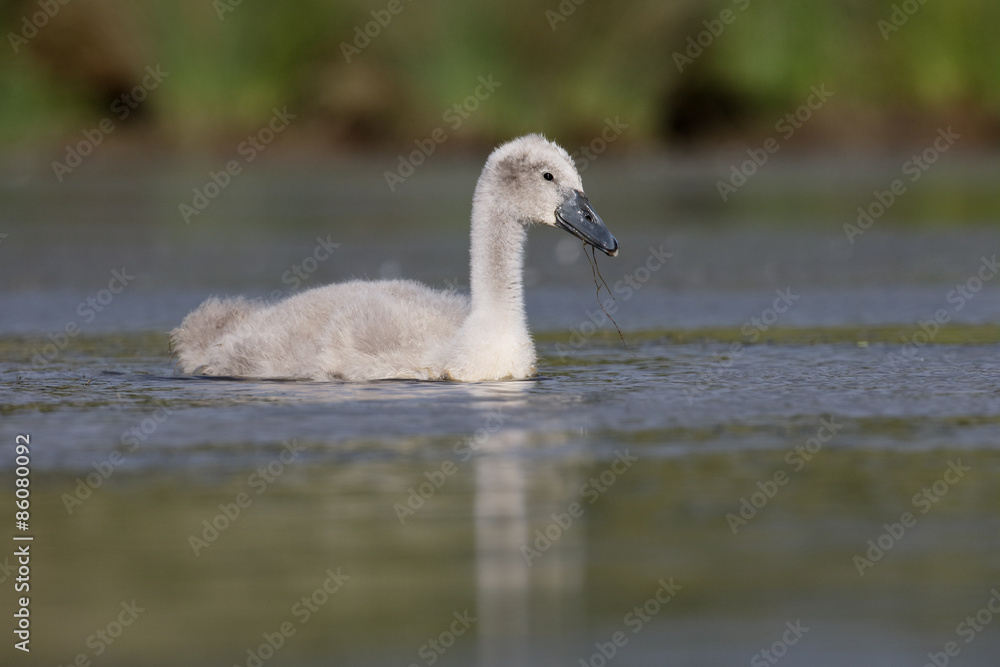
(493, 342)
(496, 266)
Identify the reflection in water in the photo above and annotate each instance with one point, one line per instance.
(519, 597)
(502, 577)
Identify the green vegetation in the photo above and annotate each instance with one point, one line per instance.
(887, 334)
(229, 64)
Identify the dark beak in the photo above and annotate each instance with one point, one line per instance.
(577, 217)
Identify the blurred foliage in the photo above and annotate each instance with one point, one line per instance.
(562, 67)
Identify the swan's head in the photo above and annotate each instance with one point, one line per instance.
(535, 181)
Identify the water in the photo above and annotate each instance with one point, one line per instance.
(531, 522)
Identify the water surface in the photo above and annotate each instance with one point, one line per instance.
(522, 522)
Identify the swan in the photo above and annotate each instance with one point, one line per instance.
(369, 330)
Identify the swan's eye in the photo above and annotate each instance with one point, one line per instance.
(547, 176)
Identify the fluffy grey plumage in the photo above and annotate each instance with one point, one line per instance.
(362, 330)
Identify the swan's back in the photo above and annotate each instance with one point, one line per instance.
(355, 330)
